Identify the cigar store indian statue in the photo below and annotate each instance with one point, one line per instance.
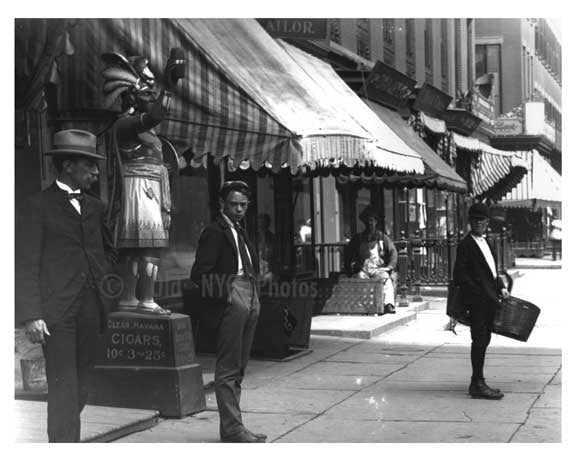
(140, 204)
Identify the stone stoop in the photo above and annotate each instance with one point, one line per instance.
(365, 326)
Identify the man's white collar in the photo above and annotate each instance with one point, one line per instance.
(66, 187)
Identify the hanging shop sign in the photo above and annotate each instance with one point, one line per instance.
(312, 29)
(432, 101)
(388, 86)
(508, 126)
(461, 121)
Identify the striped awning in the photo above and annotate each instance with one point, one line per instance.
(542, 186)
(493, 172)
(390, 149)
(246, 97)
(437, 173)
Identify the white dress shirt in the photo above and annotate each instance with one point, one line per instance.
(483, 245)
(235, 234)
(75, 203)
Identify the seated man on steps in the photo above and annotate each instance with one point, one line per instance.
(371, 254)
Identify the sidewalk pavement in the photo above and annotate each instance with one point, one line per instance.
(407, 385)
(538, 263)
(99, 423)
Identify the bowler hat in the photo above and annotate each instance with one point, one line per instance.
(479, 210)
(75, 143)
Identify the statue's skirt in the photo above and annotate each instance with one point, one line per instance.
(146, 193)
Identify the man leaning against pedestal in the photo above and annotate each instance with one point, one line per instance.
(64, 250)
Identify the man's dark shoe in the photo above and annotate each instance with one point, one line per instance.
(482, 382)
(389, 309)
(258, 435)
(480, 390)
(242, 437)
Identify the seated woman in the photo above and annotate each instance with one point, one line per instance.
(371, 254)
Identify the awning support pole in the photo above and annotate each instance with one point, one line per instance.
(403, 270)
(417, 260)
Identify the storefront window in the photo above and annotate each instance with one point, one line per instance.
(303, 228)
(266, 240)
(345, 203)
(451, 213)
(190, 214)
(421, 215)
(402, 212)
(362, 201)
(437, 214)
(388, 224)
(431, 214)
(413, 213)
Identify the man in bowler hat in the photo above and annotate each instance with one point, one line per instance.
(63, 254)
(475, 271)
(225, 268)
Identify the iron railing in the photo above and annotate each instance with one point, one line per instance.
(426, 262)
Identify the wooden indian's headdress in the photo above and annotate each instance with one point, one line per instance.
(125, 74)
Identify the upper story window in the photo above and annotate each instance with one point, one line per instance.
(548, 49)
(458, 54)
(335, 30)
(428, 43)
(410, 37)
(363, 38)
(389, 40)
(444, 47)
(410, 48)
(489, 60)
(388, 32)
(428, 52)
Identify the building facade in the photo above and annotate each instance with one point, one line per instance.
(525, 58)
(526, 51)
(436, 51)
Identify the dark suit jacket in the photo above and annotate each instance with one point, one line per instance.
(57, 251)
(215, 264)
(471, 271)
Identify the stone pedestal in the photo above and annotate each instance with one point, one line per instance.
(148, 362)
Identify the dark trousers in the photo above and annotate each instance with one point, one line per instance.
(481, 319)
(235, 337)
(70, 351)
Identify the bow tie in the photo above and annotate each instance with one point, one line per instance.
(75, 195)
